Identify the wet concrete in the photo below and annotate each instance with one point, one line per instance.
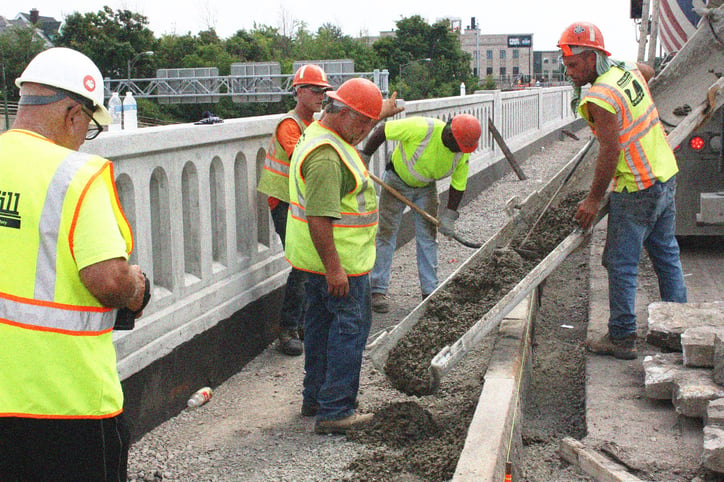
(471, 294)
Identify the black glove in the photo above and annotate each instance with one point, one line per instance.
(125, 318)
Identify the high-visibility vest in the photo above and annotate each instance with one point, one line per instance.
(354, 232)
(419, 164)
(274, 180)
(57, 356)
(645, 155)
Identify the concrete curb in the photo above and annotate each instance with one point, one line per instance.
(494, 436)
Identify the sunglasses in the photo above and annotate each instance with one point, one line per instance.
(316, 90)
(94, 128)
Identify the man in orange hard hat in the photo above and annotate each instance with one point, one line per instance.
(636, 161)
(331, 230)
(427, 150)
(309, 84)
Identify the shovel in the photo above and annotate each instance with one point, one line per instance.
(421, 212)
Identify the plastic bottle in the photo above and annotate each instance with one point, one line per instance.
(130, 112)
(201, 396)
(115, 107)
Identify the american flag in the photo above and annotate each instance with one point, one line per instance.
(677, 21)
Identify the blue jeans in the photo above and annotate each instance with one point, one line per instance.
(635, 220)
(292, 314)
(335, 334)
(390, 216)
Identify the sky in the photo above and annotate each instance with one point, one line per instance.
(545, 19)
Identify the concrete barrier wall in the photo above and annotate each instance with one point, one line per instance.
(204, 236)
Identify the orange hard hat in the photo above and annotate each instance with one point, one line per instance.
(360, 95)
(581, 34)
(311, 74)
(466, 130)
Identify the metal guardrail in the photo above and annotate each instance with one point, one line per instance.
(227, 85)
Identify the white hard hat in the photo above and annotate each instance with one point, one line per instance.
(69, 70)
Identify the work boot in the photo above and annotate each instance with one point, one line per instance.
(380, 303)
(343, 424)
(623, 349)
(310, 410)
(289, 343)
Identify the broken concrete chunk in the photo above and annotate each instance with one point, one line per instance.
(667, 321)
(697, 344)
(694, 389)
(715, 413)
(713, 453)
(718, 372)
(660, 375)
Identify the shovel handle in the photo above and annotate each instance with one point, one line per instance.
(406, 201)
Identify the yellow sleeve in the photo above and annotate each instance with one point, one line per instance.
(97, 236)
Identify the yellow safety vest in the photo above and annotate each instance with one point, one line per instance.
(645, 153)
(274, 180)
(57, 358)
(421, 163)
(354, 233)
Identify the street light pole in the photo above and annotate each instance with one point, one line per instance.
(5, 101)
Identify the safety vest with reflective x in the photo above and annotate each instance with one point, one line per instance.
(355, 231)
(56, 347)
(645, 155)
(274, 180)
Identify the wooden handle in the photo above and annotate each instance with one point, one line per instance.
(402, 198)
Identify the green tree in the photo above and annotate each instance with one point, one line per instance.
(18, 46)
(111, 38)
(425, 60)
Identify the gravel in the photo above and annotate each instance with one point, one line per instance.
(252, 429)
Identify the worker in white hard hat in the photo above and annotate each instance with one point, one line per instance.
(637, 167)
(309, 84)
(65, 278)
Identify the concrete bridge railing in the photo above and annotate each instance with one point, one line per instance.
(204, 236)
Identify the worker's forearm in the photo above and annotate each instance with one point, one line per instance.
(375, 140)
(114, 282)
(454, 197)
(603, 173)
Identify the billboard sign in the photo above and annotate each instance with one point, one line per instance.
(515, 41)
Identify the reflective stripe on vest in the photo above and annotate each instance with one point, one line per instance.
(354, 232)
(277, 160)
(410, 161)
(55, 316)
(638, 122)
(274, 179)
(50, 224)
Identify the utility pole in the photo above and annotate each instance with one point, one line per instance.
(643, 30)
(654, 32)
(5, 100)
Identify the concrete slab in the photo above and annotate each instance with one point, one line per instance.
(697, 344)
(667, 321)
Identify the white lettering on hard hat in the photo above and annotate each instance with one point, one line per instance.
(591, 33)
(89, 83)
